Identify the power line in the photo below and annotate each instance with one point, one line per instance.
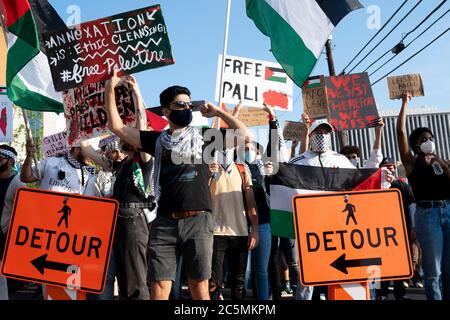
(389, 33)
(426, 18)
(413, 56)
(370, 41)
(406, 35)
(412, 41)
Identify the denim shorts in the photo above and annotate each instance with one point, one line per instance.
(190, 237)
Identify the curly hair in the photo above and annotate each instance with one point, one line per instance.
(415, 135)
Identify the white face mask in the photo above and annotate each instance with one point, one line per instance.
(428, 147)
(320, 143)
(355, 162)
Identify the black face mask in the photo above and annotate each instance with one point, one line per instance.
(181, 118)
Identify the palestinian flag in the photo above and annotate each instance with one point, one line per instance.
(276, 75)
(298, 29)
(313, 82)
(292, 180)
(2, 90)
(28, 76)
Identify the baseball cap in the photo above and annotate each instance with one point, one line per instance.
(318, 123)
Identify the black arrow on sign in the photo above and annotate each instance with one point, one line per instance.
(342, 264)
(41, 263)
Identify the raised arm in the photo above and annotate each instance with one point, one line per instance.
(237, 109)
(115, 124)
(304, 143)
(88, 151)
(402, 138)
(141, 115)
(279, 143)
(376, 156)
(209, 110)
(26, 172)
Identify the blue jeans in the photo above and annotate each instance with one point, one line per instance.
(432, 226)
(258, 263)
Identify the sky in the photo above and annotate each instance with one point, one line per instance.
(196, 31)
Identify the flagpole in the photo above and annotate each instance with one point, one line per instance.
(24, 113)
(224, 54)
(222, 70)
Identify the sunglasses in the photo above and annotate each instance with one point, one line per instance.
(183, 104)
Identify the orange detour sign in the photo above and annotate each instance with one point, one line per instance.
(351, 237)
(60, 239)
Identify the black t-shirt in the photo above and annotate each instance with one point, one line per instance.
(426, 184)
(4, 185)
(184, 187)
(124, 189)
(261, 195)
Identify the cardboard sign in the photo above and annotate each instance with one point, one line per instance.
(351, 102)
(402, 84)
(6, 117)
(253, 117)
(87, 53)
(253, 82)
(359, 237)
(55, 145)
(293, 131)
(315, 102)
(50, 242)
(84, 109)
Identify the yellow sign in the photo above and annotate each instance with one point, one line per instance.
(3, 52)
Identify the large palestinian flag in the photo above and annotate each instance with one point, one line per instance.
(28, 76)
(298, 29)
(292, 180)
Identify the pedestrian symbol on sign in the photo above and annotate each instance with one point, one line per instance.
(66, 210)
(351, 209)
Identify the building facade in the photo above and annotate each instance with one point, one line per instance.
(437, 121)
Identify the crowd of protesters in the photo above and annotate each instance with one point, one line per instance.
(196, 215)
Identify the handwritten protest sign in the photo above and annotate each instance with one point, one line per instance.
(351, 102)
(6, 117)
(293, 131)
(87, 53)
(253, 117)
(55, 145)
(402, 84)
(253, 82)
(84, 109)
(315, 102)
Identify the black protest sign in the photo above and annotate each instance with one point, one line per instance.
(84, 109)
(351, 102)
(87, 53)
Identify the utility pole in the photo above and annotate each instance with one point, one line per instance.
(343, 136)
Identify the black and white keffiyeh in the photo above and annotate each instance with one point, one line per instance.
(77, 165)
(185, 146)
(320, 143)
(8, 154)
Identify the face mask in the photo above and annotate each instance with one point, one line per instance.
(355, 162)
(181, 118)
(320, 143)
(428, 147)
(250, 156)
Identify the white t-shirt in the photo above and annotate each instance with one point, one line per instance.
(71, 183)
(329, 159)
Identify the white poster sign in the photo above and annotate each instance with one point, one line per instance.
(253, 82)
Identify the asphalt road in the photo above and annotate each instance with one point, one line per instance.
(34, 292)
